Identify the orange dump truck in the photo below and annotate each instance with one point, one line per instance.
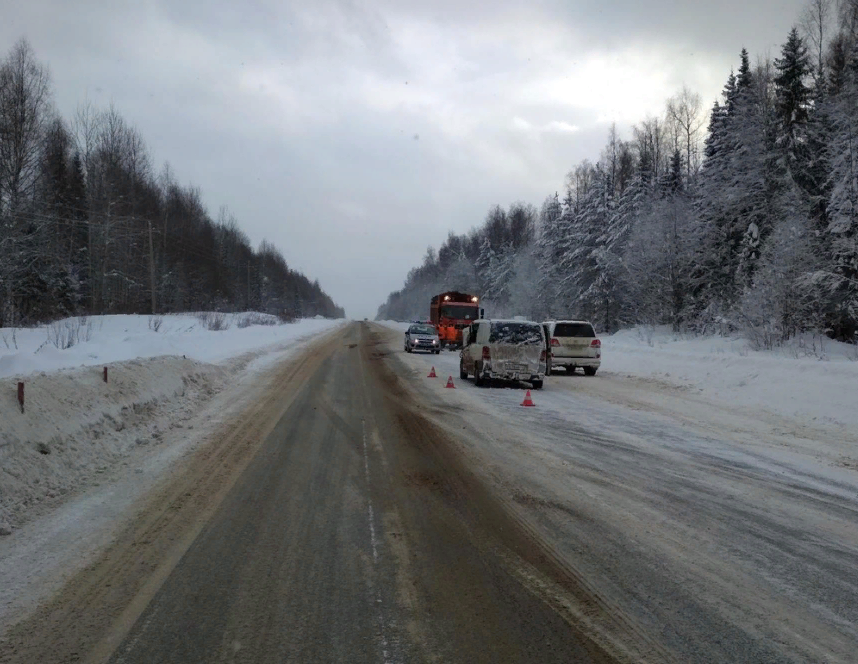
(451, 312)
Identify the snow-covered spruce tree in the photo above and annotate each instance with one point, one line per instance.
(839, 277)
(733, 194)
(782, 301)
(595, 292)
(524, 284)
(548, 253)
(461, 275)
(501, 272)
(485, 265)
(660, 253)
(793, 105)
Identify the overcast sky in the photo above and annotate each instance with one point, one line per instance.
(355, 134)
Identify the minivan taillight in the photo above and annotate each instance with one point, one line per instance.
(554, 342)
(596, 343)
(487, 354)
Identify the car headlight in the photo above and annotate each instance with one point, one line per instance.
(434, 342)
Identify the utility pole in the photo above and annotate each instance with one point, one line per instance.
(151, 267)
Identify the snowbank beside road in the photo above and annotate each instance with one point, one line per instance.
(812, 380)
(814, 384)
(104, 339)
(76, 428)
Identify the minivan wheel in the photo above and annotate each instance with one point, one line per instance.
(537, 384)
(463, 374)
(589, 371)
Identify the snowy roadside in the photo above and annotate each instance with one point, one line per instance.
(76, 427)
(811, 382)
(97, 340)
(66, 505)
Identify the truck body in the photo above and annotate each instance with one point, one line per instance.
(451, 312)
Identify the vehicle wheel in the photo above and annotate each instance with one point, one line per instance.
(478, 375)
(537, 384)
(589, 371)
(407, 349)
(463, 374)
(437, 352)
(570, 370)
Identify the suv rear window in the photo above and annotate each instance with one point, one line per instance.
(574, 330)
(515, 333)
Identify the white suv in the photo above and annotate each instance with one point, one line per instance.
(574, 344)
(503, 349)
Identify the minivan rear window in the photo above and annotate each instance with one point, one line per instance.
(515, 333)
(574, 330)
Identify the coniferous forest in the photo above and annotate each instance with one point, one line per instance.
(88, 225)
(739, 217)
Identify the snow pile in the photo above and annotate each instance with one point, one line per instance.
(76, 426)
(208, 337)
(161, 370)
(813, 379)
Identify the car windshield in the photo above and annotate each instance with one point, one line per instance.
(421, 329)
(574, 330)
(515, 333)
(460, 311)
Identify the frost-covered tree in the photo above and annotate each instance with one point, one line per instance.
(839, 277)
(86, 227)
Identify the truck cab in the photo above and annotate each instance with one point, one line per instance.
(452, 312)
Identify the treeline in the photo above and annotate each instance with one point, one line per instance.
(746, 222)
(87, 226)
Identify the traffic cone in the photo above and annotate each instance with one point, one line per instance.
(450, 383)
(528, 401)
(432, 374)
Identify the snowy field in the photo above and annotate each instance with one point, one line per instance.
(98, 340)
(812, 381)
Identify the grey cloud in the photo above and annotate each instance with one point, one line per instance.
(301, 116)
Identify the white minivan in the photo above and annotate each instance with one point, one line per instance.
(504, 350)
(573, 344)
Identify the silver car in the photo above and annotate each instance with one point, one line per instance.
(422, 336)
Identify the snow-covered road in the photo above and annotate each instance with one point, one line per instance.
(104, 447)
(725, 533)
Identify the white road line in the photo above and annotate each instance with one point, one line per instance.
(374, 543)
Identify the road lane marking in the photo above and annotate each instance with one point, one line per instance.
(374, 543)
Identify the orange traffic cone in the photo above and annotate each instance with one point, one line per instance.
(450, 383)
(528, 401)
(432, 374)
